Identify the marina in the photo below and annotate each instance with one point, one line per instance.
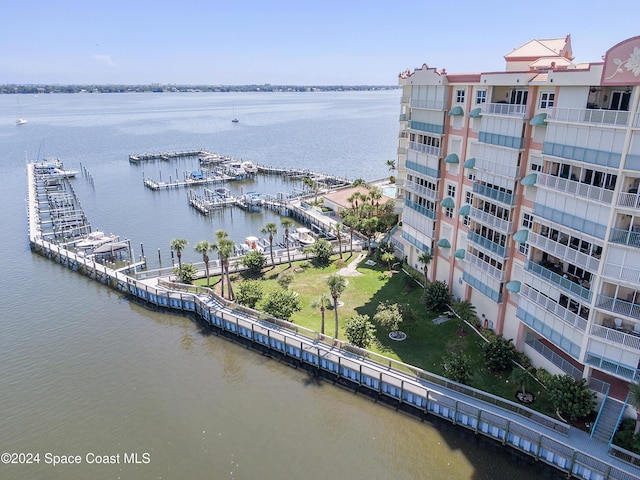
(419, 393)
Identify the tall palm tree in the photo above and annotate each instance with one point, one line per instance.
(322, 303)
(392, 165)
(271, 229)
(178, 245)
(204, 247)
(221, 236)
(338, 229)
(287, 223)
(425, 259)
(313, 185)
(375, 194)
(634, 401)
(336, 284)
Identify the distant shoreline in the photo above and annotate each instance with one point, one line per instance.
(172, 88)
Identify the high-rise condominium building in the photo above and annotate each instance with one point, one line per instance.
(523, 185)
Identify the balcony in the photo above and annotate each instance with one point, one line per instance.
(488, 244)
(629, 200)
(573, 187)
(429, 104)
(483, 266)
(506, 109)
(626, 237)
(621, 272)
(421, 190)
(420, 209)
(564, 251)
(491, 220)
(613, 335)
(422, 148)
(501, 168)
(501, 140)
(438, 129)
(423, 169)
(555, 275)
(590, 116)
(564, 314)
(493, 193)
(617, 305)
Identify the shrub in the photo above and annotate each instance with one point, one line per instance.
(498, 353)
(388, 316)
(249, 293)
(457, 367)
(255, 261)
(437, 297)
(570, 397)
(359, 330)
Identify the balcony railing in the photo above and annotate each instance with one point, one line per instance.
(555, 308)
(616, 336)
(486, 191)
(429, 104)
(488, 244)
(621, 272)
(420, 209)
(480, 264)
(504, 109)
(629, 200)
(558, 280)
(618, 306)
(575, 188)
(422, 148)
(500, 168)
(625, 237)
(421, 190)
(491, 220)
(423, 169)
(564, 252)
(589, 116)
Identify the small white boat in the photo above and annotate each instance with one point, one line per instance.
(54, 169)
(250, 167)
(252, 243)
(111, 248)
(304, 236)
(21, 121)
(235, 169)
(95, 239)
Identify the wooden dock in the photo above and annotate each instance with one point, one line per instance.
(145, 157)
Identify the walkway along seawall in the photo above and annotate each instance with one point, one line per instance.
(408, 388)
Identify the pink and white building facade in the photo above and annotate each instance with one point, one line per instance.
(524, 186)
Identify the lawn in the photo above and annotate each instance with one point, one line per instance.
(426, 342)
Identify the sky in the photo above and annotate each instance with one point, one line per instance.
(282, 42)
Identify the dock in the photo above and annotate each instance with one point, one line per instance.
(146, 157)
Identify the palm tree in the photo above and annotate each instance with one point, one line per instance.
(336, 284)
(221, 236)
(322, 303)
(287, 223)
(338, 229)
(270, 228)
(313, 185)
(351, 222)
(634, 401)
(425, 259)
(204, 247)
(375, 194)
(178, 245)
(392, 165)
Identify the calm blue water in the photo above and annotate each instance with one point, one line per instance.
(84, 371)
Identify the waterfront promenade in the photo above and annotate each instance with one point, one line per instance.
(391, 382)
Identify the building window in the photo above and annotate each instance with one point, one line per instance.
(471, 176)
(459, 96)
(466, 221)
(451, 191)
(523, 248)
(547, 99)
(448, 212)
(468, 197)
(527, 220)
(481, 97)
(536, 167)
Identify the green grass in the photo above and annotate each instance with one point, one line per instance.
(426, 342)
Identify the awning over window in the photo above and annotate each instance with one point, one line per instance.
(456, 111)
(459, 253)
(530, 180)
(452, 158)
(465, 210)
(469, 163)
(448, 203)
(513, 286)
(521, 236)
(475, 113)
(539, 120)
(444, 243)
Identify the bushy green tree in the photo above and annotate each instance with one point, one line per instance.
(249, 293)
(360, 331)
(321, 250)
(570, 397)
(499, 353)
(388, 316)
(457, 367)
(187, 274)
(437, 297)
(255, 261)
(282, 304)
